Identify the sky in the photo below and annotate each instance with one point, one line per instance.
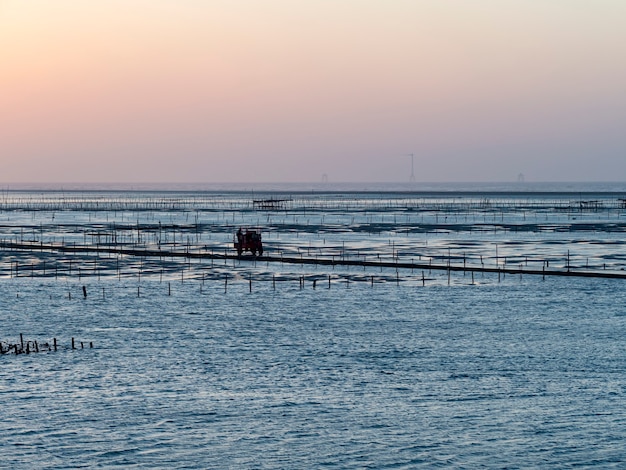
(124, 91)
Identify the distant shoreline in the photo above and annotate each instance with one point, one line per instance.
(449, 188)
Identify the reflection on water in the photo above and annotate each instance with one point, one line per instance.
(210, 363)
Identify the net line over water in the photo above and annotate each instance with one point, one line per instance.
(310, 201)
(507, 233)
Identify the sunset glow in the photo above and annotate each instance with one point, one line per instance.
(219, 91)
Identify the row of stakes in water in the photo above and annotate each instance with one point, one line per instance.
(28, 347)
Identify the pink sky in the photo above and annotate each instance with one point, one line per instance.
(278, 90)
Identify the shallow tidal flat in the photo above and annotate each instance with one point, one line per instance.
(222, 362)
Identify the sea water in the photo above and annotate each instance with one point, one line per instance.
(373, 369)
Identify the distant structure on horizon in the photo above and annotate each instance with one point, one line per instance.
(520, 178)
(412, 177)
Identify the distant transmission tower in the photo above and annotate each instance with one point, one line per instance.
(412, 177)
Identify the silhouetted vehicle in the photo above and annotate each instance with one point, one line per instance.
(250, 240)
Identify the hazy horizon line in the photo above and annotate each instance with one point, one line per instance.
(347, 186)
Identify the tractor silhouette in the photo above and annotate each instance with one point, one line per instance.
(250, 240)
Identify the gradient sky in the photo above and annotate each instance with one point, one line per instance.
(288, 90)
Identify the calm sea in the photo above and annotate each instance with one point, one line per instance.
(253, 364)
